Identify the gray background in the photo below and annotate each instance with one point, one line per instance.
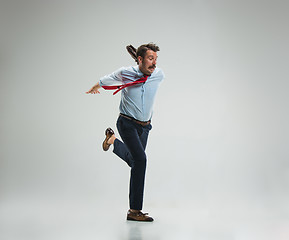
(218, 151)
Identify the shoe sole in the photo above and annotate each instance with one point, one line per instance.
(105, 145)
(132, 219)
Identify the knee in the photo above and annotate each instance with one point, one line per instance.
(140, 161)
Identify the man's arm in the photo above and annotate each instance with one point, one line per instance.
(108, 80)
(94, 89)
(132, 51)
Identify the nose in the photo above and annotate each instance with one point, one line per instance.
(155, 62)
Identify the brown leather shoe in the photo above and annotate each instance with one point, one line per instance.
(108, 133)
(138, 216)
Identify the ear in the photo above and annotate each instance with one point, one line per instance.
(139, 58)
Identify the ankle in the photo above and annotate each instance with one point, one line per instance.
(134, 211)
(111, 139)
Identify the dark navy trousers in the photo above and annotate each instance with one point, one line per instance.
(132, 151)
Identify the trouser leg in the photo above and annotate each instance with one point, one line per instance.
(132, 151)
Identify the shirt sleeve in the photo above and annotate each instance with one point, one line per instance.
(159, 75)
(114, 78)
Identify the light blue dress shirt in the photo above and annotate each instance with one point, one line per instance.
(136, 101)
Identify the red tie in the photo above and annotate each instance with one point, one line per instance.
(120, 87)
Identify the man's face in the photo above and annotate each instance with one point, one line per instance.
(148, 64)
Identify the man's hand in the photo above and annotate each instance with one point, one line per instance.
(94, 89)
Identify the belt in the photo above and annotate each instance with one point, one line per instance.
(137, 121)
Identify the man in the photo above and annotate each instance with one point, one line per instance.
(138, 85)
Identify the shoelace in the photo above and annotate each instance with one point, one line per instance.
(142, 214)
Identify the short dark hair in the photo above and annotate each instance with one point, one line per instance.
(141, 51)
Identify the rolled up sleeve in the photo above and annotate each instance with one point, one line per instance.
(114, 78)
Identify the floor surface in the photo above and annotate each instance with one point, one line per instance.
(63, 220)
